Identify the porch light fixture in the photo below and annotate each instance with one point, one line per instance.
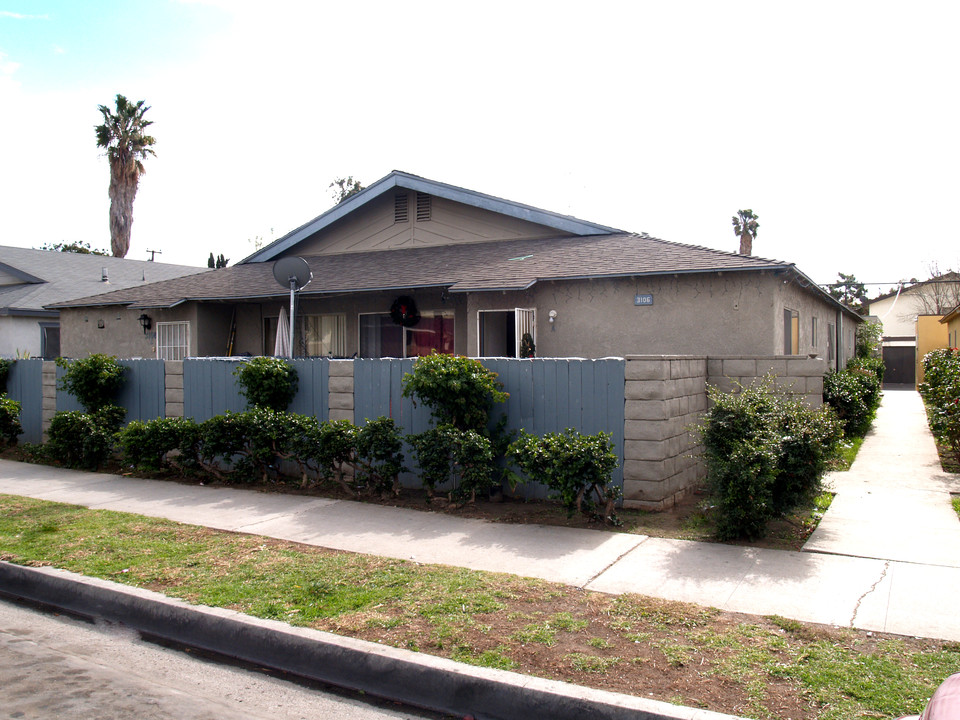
(552, 315)
(144, 321)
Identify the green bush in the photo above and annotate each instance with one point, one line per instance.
(462, 457)
(268, 382)
(941, 392)
(854, 394)
(5, 366)
(157, 444)
(84, 440)
(10, 427)
(94, 381)
(379, 460)
(765, 454)
(459, 391)
(334, 445)
(575, 467)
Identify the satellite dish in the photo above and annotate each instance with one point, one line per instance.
(294, 273)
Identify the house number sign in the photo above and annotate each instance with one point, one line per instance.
(643, 299)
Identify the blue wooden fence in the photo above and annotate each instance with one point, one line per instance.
(142, 392)
(546, 395)
(210, 387)
(25, 385)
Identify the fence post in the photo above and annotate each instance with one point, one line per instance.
(341, 390)
(173, 388)
(49, 385)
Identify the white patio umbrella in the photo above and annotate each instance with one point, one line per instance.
(282, 346)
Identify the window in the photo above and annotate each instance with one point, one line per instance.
(324, 335)
(831, 342)
(380, 337)
(173, 340)
(791, 332)
(49, 340)
(813, 332)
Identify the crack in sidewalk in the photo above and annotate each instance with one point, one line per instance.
(872, 588)
(614, 562)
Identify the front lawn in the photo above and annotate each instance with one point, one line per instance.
(745, 665)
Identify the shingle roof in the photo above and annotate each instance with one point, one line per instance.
(503, 265)
(50, 277)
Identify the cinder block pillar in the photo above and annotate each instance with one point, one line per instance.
(48, 382)
(173, 388)
(341, 390)
(664, 398)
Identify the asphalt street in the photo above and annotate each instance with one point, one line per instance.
(53, 666)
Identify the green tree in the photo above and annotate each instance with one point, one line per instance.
(80, 248)
(344, 188)
(850, 292)
(745, 227)
(219, 262)
(123, 136)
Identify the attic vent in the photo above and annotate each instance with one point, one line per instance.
(400, 208)
(423, 206)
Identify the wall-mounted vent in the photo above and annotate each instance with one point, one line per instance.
(400, 214)
(424, 203)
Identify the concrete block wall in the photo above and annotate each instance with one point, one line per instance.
(665, 397)
(49, 395)
(173, 388)
(341, 390)
(797, 377)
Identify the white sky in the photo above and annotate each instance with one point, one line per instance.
(836, 122)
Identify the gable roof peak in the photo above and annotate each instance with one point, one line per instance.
(409, 181)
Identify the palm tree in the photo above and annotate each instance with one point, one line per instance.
(745, 226)
(122, 134)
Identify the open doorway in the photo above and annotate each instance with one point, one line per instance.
(501, 331)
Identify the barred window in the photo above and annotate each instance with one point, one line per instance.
(173, 340)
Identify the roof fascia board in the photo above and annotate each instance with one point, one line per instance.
(563, 223)
(27, 312)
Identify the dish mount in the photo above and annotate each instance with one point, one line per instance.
(293, 273)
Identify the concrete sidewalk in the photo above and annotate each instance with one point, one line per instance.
(852, 574)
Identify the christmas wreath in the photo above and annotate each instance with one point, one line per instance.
(404, 311)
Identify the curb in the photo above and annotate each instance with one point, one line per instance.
(415, 679)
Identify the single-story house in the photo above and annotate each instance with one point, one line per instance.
(410, 265)
(900, 310)
(30, 280)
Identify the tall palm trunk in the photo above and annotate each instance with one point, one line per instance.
(123, 190)
(746, 244)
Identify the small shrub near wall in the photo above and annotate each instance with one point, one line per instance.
(268, 382)
(765, 454)
(86, 439)
(10, 426)
(577, 469)
(941, 393)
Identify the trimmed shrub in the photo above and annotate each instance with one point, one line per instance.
(5, 366)
(459, 391)
(576, 468)
(941, 392)
(84, 440)
(854, 394)
(157, 444)
(10, 427)
(334, 444)
(379, 460)
(765, 454)
(462, 457)
(94, 381)
(268, 382)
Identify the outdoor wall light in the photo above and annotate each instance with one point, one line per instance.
(552, 315)
(144, 321)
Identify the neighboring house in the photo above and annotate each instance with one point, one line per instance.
(30, 280)
(480, 273)
(898, 312)
(952, 321)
